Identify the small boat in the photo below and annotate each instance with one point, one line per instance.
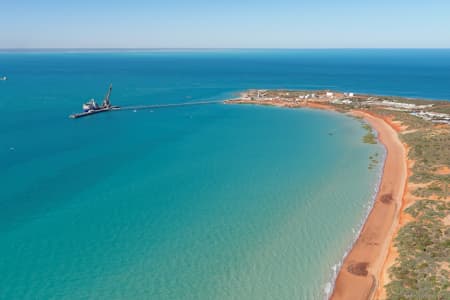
(4, 78)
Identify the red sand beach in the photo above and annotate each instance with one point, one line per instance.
(363, 266)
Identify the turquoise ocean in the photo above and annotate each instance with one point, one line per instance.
(202, 202)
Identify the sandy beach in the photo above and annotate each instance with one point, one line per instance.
(362, 268)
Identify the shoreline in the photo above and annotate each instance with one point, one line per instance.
(362, 269)
(337, 267)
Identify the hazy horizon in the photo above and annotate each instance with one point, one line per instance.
(223, 48)
(200, 24)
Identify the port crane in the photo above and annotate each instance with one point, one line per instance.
(106, 103)
(91, 107)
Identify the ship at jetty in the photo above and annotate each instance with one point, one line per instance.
(91, 107)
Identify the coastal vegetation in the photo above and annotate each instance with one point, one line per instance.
(369, 137)
(421, 270)
(429, 151)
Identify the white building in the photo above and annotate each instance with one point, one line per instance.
(433, 117)
(399, 105)
(345, 101)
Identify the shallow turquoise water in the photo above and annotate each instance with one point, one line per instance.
(207, 202)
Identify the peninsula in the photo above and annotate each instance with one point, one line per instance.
(402, 249)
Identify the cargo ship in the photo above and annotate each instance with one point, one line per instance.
(91, 107)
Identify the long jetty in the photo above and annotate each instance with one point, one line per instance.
(142, 107)
(153, 106)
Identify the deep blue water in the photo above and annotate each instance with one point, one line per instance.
(205, 202)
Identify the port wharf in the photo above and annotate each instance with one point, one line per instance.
(92, 108)
(142, 107)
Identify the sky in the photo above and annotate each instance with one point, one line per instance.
(225, 24)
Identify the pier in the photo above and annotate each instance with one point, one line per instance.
(92, 108)
(154, 106)
(143, 107)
